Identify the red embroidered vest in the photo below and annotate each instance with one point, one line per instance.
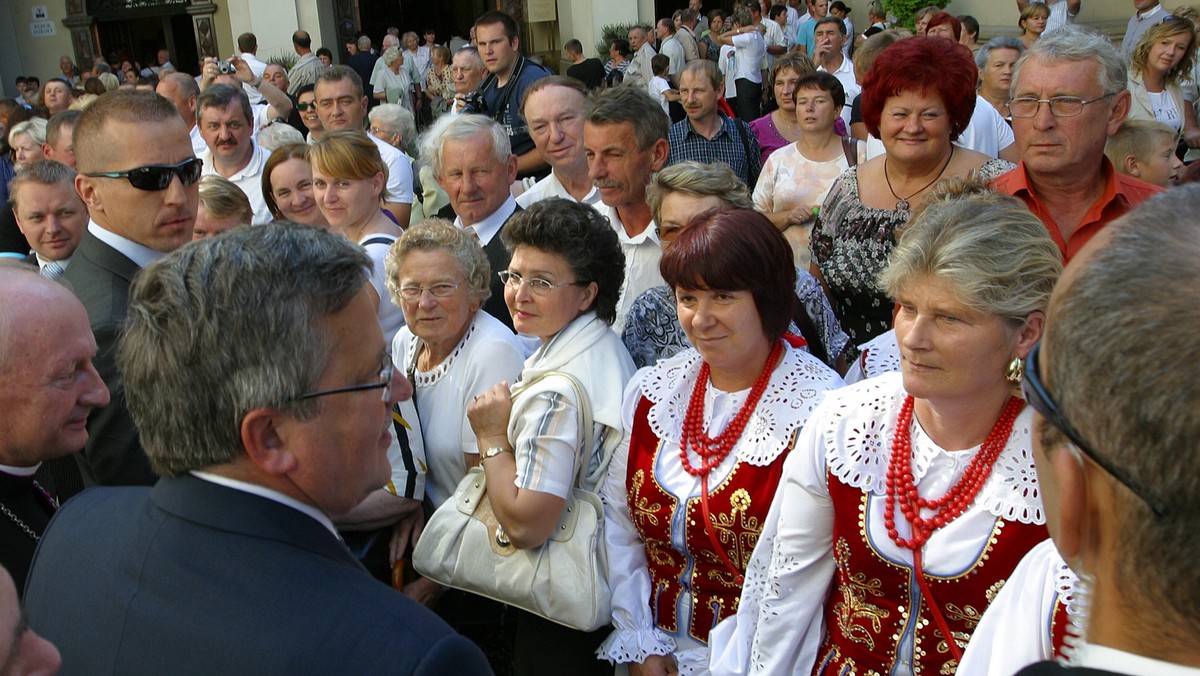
(868, 613)
(738, 507)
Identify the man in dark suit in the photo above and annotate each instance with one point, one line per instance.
(473, 162)
(49, 213)
(1115, 438)
(138, 176)
(47, 387)
(258, 376)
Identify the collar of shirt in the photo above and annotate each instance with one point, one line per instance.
(486, 229)
(1121, 662)
(726, 124)
(64, 262)
(140, 254)
(1018, 180)
(19, 471)
(252, 168)
(273, 496)
(645, 236)
(1142, 16)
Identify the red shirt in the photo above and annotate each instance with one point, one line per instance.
(1121, 193)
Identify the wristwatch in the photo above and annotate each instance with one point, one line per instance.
(493, 452)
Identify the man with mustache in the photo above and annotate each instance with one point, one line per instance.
(624, 140)
(225, 122)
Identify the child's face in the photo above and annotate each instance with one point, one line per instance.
(1162, 167)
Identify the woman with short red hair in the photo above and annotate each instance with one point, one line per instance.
(917, 99)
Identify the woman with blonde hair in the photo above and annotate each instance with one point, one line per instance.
(1033, 22)
(349, 181)
(1160, 64)
(223, 206)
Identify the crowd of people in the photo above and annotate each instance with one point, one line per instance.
(832, 332)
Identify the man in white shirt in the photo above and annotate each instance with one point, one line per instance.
(669, 45)
(342, 105)
(1118, 474)
(639, 73)
(49, 213)
(248, 47)
(223, 115)
(775, 26)
(473, 162)
(553, 108)
(467, 71)
(625, 138)
(1146, 14)
(829, 35)
(1062, 12)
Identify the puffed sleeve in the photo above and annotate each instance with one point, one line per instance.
(778, 627)
(634, 636)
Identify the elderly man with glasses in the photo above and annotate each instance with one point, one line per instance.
(1115, 590)
(259, 378)
(1068, 96)
(138, 176)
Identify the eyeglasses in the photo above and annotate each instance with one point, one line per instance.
(379, 131)
(538, 285)
(1035, 393)
(311, 105)
(443, 290)
(1060, 106)
(156, 177)
(385, 378)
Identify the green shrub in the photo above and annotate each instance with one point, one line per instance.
(608, 34)
(906, 10)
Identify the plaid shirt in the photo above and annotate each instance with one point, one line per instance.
(739, 150)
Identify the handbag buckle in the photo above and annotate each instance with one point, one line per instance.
(502, 537)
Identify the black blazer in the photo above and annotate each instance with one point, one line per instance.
(191, 577)
(100, 276)
(499, 258)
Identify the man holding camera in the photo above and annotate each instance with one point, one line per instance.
(509, 75)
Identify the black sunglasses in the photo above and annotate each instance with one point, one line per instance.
(306, 106)
(1035, 393)
(157, 176)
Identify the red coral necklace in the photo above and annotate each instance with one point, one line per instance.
(712, 451)
(902, 489)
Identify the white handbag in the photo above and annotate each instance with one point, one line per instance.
(564, 580)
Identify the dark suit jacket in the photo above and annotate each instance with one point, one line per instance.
(191, 577)
(100, 277)
(499, 257)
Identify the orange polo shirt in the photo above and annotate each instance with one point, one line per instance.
(1121, 193)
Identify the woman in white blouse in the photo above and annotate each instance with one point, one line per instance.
(911, 497)
(1158, 67)
(706, 435)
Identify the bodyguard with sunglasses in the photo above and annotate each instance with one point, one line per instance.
(1114, 440)
(138, 177)
(1068, 96)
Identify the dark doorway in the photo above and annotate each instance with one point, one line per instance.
(139, 40)
(447, 18)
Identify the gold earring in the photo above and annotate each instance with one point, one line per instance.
(1015, 371)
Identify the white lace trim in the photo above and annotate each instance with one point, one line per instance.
(427, 378)
(796, 387)
(858, 443)
(880, 355)
(624, 646)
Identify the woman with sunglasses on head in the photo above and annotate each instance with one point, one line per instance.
(912, 496)
(561, 287)
(1160, 64)
(349, 180)
(287, 186)
(706, 436)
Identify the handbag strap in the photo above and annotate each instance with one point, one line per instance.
(850, 148)
(586, 425)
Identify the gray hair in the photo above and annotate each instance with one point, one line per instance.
(633, 105)
(227, 325)
(1073, 43)
(995, 254)
(109, 80)
(701, 179)
(438, 234)
(42, 172)
(395, 118)
(462, 128)
(390, 55)
(1137, 406)
(34, 128)
(220, 96)
(998, 42)
(278, 134)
